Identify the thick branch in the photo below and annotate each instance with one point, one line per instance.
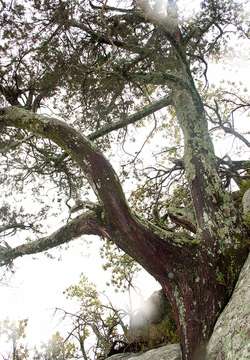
(140, 114)
(88, 223)
(131, 119)
(85, 224)
(130, 233)
(235, 164)
(157, 78)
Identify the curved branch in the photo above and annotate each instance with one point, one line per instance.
(131, 119)
(98, 170)
(85, 224)
(231, 131)
(135, 237)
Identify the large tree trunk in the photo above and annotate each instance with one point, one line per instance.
(197, 274)
(204, 289)
(231, 334)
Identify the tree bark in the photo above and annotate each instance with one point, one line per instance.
(186, 270)
(186, 267)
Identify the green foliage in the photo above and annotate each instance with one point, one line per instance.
(162, 333)
(85, 292)
(220, 278)
(56, 349)
(96, 319)
(122, 267)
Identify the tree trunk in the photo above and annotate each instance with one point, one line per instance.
(199, 291)
(197, 274)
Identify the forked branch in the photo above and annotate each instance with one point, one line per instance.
(137, 238)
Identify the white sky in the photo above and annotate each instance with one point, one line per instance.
(37, 286)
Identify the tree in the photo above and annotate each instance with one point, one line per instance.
(100, 68)
(56, 349)
(97, 322)
(13, 333)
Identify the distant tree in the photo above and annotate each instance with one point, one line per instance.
(74, 72)
(12, 337)
(56, 349)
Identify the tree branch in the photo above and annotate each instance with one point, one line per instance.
(85, 224)
(232, 131)
(106, 7)
(131, 119)
(106, 39)
(4, 148)
(136, 237)
(157, 78)
(14, 226)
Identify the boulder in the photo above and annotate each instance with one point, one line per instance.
(231, 336)
(168, 352)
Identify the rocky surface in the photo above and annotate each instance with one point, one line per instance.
(168, 352)
(231, 337)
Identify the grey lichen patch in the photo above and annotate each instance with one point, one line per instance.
(246, 202)
(220, 278)
(182, 313)
(178, 239)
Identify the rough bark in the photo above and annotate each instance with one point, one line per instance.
(185, 267)
(197, 274)
(230, 339)
(88, 223)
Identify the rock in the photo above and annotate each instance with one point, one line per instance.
(168, 352)
(231, 336)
